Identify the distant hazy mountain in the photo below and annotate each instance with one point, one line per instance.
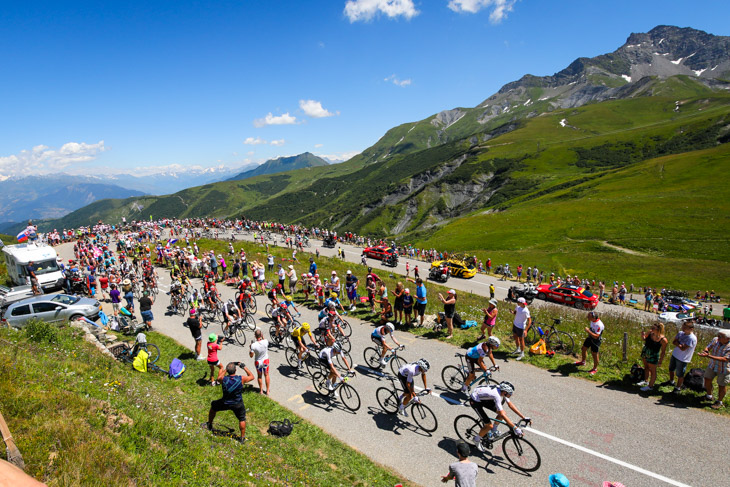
(53, 196)
(173, 181)
(282, 164)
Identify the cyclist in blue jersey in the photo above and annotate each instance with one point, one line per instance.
(475, 358)
(378, 337)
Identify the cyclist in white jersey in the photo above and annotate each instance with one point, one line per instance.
(406, 375)
(492, 397)
(325, 358)
(378, 337)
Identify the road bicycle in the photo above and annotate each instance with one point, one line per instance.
(278, 336)
(178, 304)
(454, 377)
(556, 340)
(346, 328)
(372, 358)
(250, 302)
(236, 329)
(348, 395)
(127, 351)
(309, 359)
(517, 450)
(389, 400)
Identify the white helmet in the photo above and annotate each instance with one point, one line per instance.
(390, 326)
(494, 342)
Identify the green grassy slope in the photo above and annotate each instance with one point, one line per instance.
(80, 418)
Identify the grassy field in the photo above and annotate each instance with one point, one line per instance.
(613, 368)
(81, 418)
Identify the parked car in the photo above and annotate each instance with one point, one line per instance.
(569, 295)
(380, 252)
(676, 318)
(50, 308)
(457, 268)
(9, 295)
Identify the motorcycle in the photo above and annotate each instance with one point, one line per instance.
(439, 274)
(391, 260)
(527, 291)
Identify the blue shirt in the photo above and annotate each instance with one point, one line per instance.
(313, 268)
(232, 388)
(421, 294)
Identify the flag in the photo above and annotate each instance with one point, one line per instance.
(172, 241)
(22, 237)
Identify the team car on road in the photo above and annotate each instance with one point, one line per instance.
(380, 252)
(457, 268)
(569, 295)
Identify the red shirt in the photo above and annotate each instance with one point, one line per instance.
(213, 348)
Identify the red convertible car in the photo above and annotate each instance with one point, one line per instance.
(380, 252)
(568, 294)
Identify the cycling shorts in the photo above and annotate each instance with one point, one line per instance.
(325, 362)
(472, 363)
(407, 386)
(262, 366)
(297, 342)
(479, 408)
(378, 340)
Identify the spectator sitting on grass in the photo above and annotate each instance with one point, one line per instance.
(386, 312)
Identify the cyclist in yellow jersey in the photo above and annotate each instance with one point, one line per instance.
(298, 336)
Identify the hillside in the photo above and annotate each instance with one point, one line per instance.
(282, 164)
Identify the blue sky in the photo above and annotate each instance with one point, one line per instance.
(111, 86)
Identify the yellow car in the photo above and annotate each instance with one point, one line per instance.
(457, 268)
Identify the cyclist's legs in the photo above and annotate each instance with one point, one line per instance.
(408, 391)
(479, 408)
(472, 371)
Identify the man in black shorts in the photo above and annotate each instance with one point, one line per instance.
(232, 386)
(195, 325)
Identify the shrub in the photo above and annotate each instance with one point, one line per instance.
(40, 331)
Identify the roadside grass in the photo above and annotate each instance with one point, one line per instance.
(81, 418)
(612, 371)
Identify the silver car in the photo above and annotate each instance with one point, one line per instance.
(50, 308)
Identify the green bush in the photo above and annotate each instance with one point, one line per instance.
(40, 331)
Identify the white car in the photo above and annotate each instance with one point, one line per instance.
(676, 318)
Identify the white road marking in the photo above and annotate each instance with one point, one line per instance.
(607, 458)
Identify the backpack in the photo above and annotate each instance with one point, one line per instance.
(176, 369)
(637, 373)
(281, 428)
(140, 361)
(695, 380)
(457, 321)
(468, 324)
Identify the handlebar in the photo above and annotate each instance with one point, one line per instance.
(524, 422)
(493, 368)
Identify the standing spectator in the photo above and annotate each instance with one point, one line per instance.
(464, 471)
(519, 273)
(491, 290)
(421, 300)
(214, 344)
(592, 341)
(684, 347)
(648, 299)
(145, 309)
(718, 351)
(195, 326)
(259, 350)
(449, 310)
(104, 285)
(30, 269)
(231, 400)
(489, 265)
(292, 275)
(416, 275)
(655, 346)
(116, 299)
(270, 262)
(520, 326)
(407, 306)
(398, 294)
(282, 276)
(351, 283)
(312, 266)
(213, 265)
(490, 318)
(371, 293)
(408, 269)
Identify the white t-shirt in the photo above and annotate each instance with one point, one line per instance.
(521, 316)
(597, 327)
(293, 276)
(281, 274)
(270, 260)
(685, 339)
(410, 371)
(490, 395)
(260, 348)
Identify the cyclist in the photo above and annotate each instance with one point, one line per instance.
(287, 300)
(325, 358)
(406, 375)
(230, 314)
(273, 295)
(334, 302)
(297, 336)
(280, 315)
(492, 397)
(475, 358)
(378, 337)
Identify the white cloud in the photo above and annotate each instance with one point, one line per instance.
(42, 159)
(314, 109)
(317, 146)
(364, 10)
(250, 153)
(279, 142)
(270, 119)
(339, 157)
(397, 81)
(500, 8)
(254, 141)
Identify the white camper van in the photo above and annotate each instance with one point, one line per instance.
(17, 258)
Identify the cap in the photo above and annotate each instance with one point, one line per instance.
(291, 267)
(349, 272)
(724, 333)
(521, 300)
(493, 302)
(334, 272)
(408, 291)
(560, 480)
(463, 448)
(451, 291)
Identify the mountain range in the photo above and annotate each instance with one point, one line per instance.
(282, 164)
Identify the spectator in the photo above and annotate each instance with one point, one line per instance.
(30, 269)
(421, 300)
(104, 285)
(232, 386)
(718, 351)
(491, 290)
(214, 344)
(648, 299)
(449, 310)
(312, 266)
(398, 294)
(260, 352)
(655, 346)
(351, 283)
(116, 299)
(292, 275)
(464, 471)
(685, 343)
(128, 295)
(270, 262)
(145, 309)
(407, 306)
(592, 341)
(490, 318)
(386, 311)
(520, 326)
(195, 326)
(282, 275)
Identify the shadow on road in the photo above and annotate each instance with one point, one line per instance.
(327, 403)
(394, 423)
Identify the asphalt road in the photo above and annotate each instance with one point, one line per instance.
(586, 431)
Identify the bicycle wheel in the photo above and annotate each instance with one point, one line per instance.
(239, 335)
(521, 453)
(275, 337)
(249, 322)
(251, 305)
(313, 364)
(184, 305)
(531, 337)
(346, 328)
(204, 320)
(292, 357)
(349, 397)
(340, 360)
(466, 427)
(268, 310)
(319, 379)
(346, 345)
(424, 417)
(396, 363)
(153, 351)
(387, 399)
(561, 342)
(372, 357)
(453, 378)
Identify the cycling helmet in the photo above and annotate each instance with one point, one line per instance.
(423, 364)
(230, 302)
(494, 342)
(305, 326)
(212, 337)
(331, 306)
(337, 347)
(390, 326)
(282, 305)
(507, 387)
(334, 295)
(247, 279)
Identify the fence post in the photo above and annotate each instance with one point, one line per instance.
(625, 346)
